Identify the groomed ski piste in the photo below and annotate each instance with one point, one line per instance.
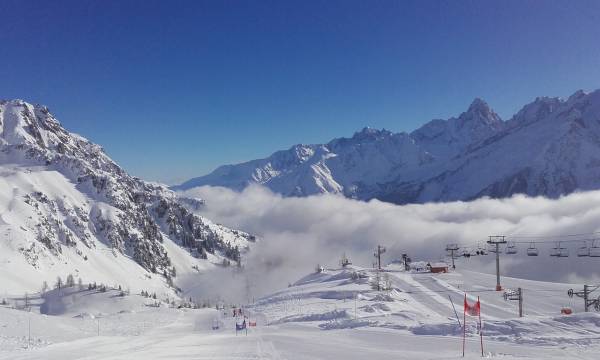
(332, 314)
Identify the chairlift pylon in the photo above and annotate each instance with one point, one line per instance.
(492, 248)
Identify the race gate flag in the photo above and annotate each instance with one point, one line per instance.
(472, 310)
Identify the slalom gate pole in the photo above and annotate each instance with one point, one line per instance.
(464, 326)
(455, 313)
(480, 327)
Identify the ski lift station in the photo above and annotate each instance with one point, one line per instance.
(438, 267)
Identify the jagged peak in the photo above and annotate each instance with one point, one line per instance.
(370, 133)
(479, 112)
(13, 102)
(478, 104)
(542, 106)
(24, 123)
(535, 111)
(23, 103)
(480, 107)
(367, 130)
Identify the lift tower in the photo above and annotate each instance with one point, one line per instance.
(497, 240)
(585, 294)
(451, 248)
(380, 250)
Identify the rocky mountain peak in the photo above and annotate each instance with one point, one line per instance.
(123, 212)
(480, 112)
(478, 104)
(539, 109)
(22, 123)
(369, 133)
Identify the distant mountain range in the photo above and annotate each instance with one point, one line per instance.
(66, 207)
(550, 147)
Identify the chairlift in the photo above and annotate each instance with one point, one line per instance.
(559, 251)
(532, 250)
(481, 250)
(563, 252)
(594, 250)
(511, 248)
(555, 251)
(584, 250)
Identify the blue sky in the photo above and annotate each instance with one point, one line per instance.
(172, 89)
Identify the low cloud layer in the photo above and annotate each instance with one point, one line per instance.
(298, 233)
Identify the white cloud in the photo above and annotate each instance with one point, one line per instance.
(298, 233)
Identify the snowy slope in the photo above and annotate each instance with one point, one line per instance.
(549, 148)
(67, 208)
(315, 319)
(419, 304)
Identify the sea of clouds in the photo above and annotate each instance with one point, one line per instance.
(296, 234)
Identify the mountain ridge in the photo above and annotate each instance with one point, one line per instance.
(425, 164)
(64, 201)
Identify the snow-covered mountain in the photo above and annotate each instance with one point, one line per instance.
(66, 207)
(550, 147)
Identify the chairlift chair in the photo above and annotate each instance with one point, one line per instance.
(594, 250)
(555, 251)
(511, 248)
(532, 250)
(563, 252)
(583, 251)
(481, 250)
(559, 251)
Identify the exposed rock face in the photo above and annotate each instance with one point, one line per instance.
(133, 217)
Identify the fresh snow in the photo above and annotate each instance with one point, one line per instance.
(312, 319)
(67, 208)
